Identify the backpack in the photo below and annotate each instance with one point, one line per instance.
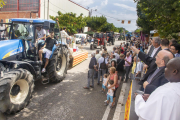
(103, 65)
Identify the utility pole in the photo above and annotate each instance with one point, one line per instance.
(48, 11)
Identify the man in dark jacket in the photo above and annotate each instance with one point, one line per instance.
(91, 72)
(154, 77)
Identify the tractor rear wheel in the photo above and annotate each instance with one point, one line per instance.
(16, 89)
(57, 67)
(92, 47)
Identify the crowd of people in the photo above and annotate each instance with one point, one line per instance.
(155, 64)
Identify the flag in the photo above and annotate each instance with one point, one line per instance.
(122, 22)
(129, 22)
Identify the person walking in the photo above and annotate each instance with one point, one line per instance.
(92, 67)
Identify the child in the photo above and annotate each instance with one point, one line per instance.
(104, 82)
(110, 93)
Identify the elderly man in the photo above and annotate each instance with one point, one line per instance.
(156, 43)
(155, 74)
(163, 103)
(102, 65)
(91, 72)
(128, 61)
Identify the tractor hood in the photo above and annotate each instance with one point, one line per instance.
(10, 47)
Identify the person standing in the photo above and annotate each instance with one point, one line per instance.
(113, 77)
(92, 66)
(102, 65)
(120, 67)
(82, 40)
(64, 35)
(128, 61)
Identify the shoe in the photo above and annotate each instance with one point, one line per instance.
(91, 86)
(106, 104)
(43, 70)
(85, 87)
(105, 101)
(41, 62)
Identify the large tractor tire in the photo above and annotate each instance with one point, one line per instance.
(16, 89)
(58, 65)
(92, 47)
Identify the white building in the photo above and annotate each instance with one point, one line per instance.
(64, 6)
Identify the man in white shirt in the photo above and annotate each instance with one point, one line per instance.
(101, 71)
(164, 102)
(64, 35)
(98, 55)
(41, 33)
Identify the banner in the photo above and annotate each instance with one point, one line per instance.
(128, 104)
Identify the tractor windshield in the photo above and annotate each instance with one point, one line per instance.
(4, 31)
(23, 31)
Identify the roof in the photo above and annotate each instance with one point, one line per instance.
(27, 20)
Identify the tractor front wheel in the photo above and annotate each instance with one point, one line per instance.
(16, 89)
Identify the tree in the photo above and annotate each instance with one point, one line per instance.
(2, 3)
(96, 23)
(70, 21)
(162, 15)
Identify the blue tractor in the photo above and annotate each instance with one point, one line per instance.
(19, 61)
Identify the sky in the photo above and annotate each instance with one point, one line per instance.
(118, 9)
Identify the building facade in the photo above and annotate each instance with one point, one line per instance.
(39, 8)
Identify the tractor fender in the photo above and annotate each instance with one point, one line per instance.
(24, 65)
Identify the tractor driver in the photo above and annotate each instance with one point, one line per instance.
(41, 33)
(47, 48)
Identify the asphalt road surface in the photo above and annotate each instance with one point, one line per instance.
(68, 100)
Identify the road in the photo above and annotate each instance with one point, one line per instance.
(68, 100)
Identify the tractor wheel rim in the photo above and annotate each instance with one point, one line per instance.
(60, 71)
(21, 95)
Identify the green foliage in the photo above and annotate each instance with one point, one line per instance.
(2, 3)
(96, 23)
(70, 21)
(138, 30)
(162, 15)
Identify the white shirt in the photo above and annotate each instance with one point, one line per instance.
(97, 56)
(104, 81)
(162, 104)
(41, 33)
(117, 56)
(110, 91)
(154, 51)
(101, 60)
(139, 67)
(64, 35)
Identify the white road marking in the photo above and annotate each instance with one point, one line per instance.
(120, 102)
(106, 114)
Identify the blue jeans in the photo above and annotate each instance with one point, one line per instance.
(110, 97)
(101, 73)
(91, 77)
